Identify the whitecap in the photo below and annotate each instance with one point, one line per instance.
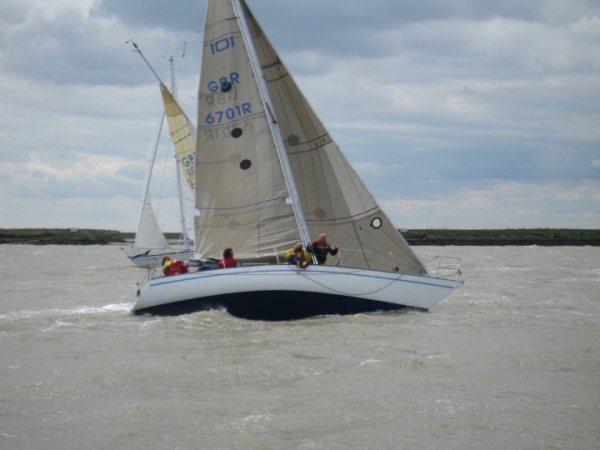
(80, 310)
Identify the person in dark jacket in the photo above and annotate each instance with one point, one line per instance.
(228, 260)
(321, 248)
(173, 267)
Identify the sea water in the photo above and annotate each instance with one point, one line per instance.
(510, 360)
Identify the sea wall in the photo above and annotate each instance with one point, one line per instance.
(546, 237)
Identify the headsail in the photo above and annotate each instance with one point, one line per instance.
(334, 199)
(183, 137)
(241, 192)
(148, 235)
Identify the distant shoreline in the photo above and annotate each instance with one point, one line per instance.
(438, 237)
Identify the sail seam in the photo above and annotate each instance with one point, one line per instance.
(278, 78)
(364, 213)
(183, 138)
(244, 206)
(271, 65)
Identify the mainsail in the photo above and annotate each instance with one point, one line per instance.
(241, 193)
(334, 199)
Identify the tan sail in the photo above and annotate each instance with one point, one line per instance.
(240, 189)
(334, 199)
(183, 136)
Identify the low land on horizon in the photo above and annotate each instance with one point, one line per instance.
(521, 236)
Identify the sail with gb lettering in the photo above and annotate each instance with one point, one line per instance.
(183, 138)
(242, 199)
(334, 200)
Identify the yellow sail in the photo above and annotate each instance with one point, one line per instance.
(182, 136)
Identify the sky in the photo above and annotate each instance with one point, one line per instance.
(456, 114)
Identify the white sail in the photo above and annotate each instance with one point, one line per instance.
(241, 193)
(334, 199)
(149, 235)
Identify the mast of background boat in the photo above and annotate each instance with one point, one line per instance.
(273, 125)
(179, 188)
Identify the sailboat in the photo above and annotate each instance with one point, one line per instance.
(150, 244)
(268, 175)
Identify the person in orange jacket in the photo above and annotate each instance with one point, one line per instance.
(173, 267)
(228, 260)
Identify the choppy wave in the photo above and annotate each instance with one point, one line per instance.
(79, 310)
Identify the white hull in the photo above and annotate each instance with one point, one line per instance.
(152, 260)
(351, 284)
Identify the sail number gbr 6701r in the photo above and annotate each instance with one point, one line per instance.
(229, 114)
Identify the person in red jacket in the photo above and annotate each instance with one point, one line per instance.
(173, 267)
(228, 260)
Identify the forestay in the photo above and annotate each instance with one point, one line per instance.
(334, 200)
(241, 195)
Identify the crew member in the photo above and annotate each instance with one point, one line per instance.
(228, 260)
(173, 267)
(321, 248)
(298, 256)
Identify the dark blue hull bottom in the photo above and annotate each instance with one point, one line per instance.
(275, 305)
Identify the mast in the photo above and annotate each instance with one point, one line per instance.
(179, 188)
(273, 125)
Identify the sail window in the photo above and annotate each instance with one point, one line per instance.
(376, 223)
(236, 133)
(293, 139)
(245, 164)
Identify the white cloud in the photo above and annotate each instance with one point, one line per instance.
(512, 204)
(376, 169)
(487, 94)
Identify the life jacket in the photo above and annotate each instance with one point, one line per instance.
(298, 254)
(228, 263)
(174, 267)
